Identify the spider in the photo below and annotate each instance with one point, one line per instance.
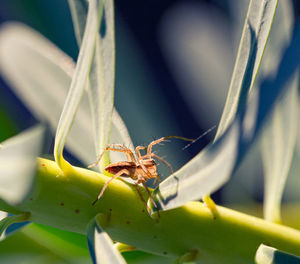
(140, 169)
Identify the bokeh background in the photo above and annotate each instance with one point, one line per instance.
(173, 68)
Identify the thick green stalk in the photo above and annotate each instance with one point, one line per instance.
(65, 201)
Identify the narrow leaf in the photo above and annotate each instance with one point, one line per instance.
(101, 247)
(278, 146)
(279, 138)
(18, 164)
(102, 75)
(11, 224)
(79, 10)
(269, 255)
(210, 169)
(40, 75)
(78, 81)
(252, 44)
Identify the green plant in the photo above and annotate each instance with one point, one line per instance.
(57, 194)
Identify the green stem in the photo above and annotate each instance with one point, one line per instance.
(65, 201)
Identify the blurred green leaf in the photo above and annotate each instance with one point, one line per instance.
(102, 75)
(279, 137)
(210, 169)
(29, 258)
(79, 79)
(8, 127)
(40, 74)
(62, 243)
(269, 255)
(101, 247)
(18, 164)
(140, 257)
(36, 243)
(254, 38)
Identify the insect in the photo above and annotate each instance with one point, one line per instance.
(140, 169)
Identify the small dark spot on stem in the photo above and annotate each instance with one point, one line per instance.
(62, 204)
(31, 199)
(77, 211)
(127, 222)
(165, 252)
(143, 211)
(110, 209)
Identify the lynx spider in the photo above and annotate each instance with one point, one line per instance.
(140, 169)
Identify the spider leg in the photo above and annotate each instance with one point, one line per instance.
(138, 150)
(155, 179)
(151, 198)
(144, 168)
(160, 159)
(141, 196)
(98, 160)
(124, 171)
(128, 152)
(155, 142)
(112, 147)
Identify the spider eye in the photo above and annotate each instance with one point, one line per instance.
(153, 162)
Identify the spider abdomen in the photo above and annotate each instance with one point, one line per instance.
(114, 168)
